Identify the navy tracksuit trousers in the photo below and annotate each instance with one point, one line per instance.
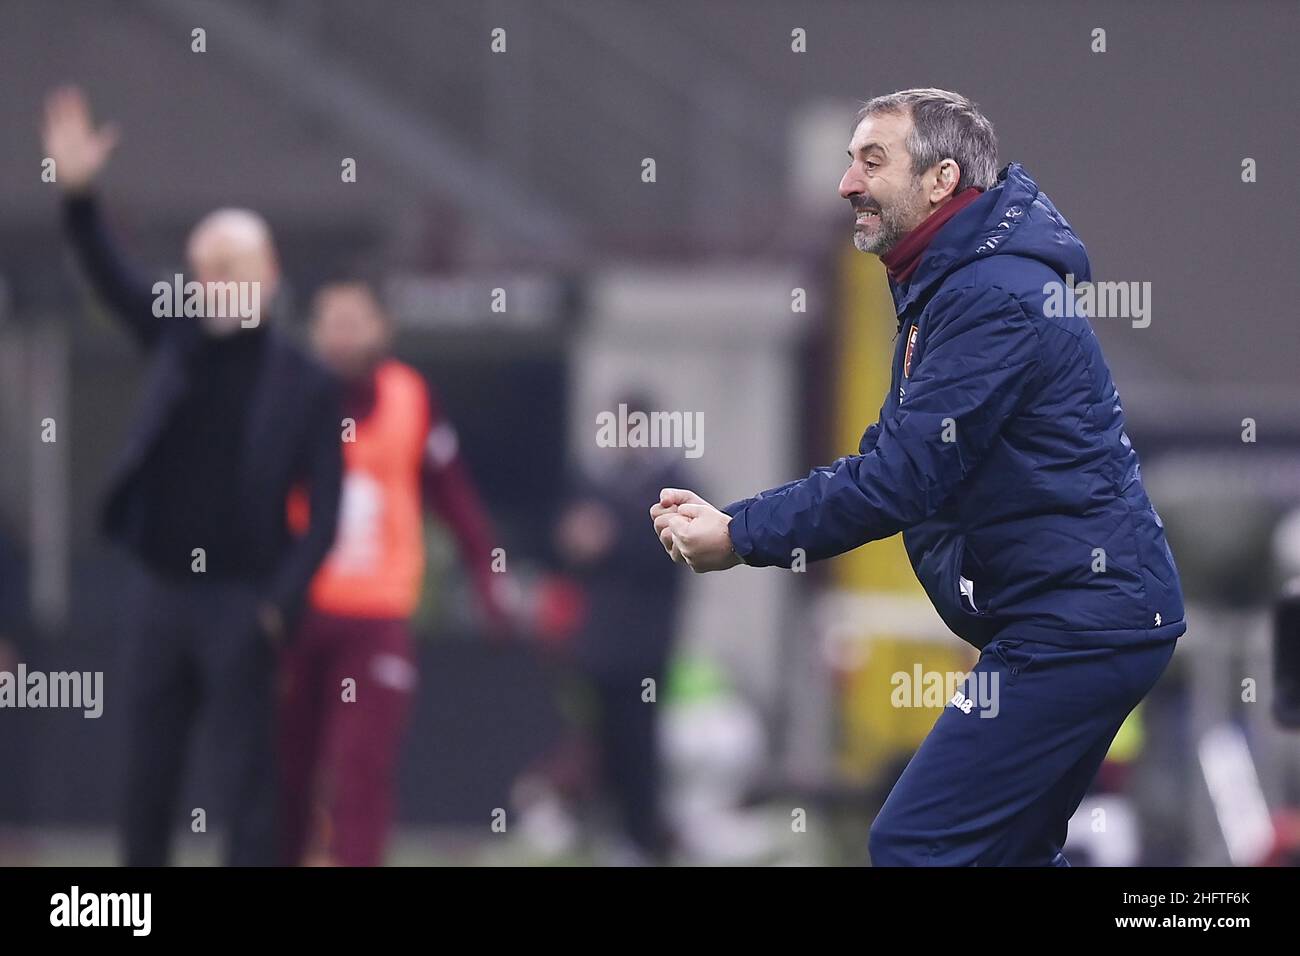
(1008, 762)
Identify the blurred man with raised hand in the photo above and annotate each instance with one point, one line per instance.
(1001, 454)
(232, 417)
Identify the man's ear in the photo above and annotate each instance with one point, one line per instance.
(946, 177)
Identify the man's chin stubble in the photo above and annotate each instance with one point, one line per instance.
(869, 245)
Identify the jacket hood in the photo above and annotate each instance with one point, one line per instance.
(1013, 218)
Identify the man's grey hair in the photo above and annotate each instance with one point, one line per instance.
(945, 125)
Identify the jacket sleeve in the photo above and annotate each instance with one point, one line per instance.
(322, 469)
(980, 359)
(871, 437)
(449, 491)
(127, 294)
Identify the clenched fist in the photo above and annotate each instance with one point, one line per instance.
(692, 531)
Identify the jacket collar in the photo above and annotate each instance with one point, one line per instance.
(972, 233)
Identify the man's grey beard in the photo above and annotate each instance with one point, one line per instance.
(896, 221)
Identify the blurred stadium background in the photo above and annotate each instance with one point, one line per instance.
(522, 171)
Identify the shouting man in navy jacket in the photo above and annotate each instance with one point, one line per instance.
(1000, 453)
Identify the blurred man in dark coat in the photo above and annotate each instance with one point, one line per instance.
(233, 417)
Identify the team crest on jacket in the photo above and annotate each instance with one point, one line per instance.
(907, 356)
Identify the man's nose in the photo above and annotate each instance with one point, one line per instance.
(851, 184)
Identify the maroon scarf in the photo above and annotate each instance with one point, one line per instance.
(902, 260)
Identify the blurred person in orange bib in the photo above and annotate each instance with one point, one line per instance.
(347, 681)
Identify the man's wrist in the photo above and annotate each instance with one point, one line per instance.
(731, 545)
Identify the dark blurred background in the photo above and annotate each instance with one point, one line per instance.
(522, 170)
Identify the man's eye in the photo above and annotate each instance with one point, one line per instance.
(871, 164)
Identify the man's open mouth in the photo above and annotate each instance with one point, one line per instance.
(867, 215)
